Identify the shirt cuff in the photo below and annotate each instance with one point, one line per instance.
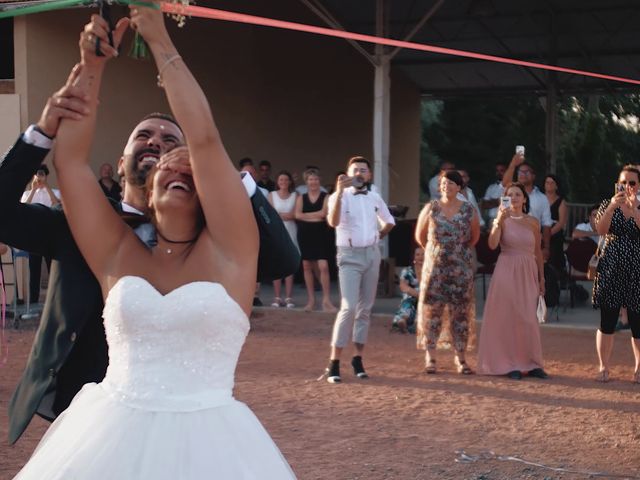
(35, 138)
(249, 183)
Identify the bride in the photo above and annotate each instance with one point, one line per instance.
(175, 314)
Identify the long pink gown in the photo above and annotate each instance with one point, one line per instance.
(510, 335)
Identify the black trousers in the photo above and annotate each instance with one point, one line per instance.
(609, 320)
(35, 269)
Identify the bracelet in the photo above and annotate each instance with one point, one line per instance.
(496, 224)
(164, 67)
(41, 132)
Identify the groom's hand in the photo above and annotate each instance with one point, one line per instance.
(68, 102)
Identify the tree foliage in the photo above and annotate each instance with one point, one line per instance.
(596, 136)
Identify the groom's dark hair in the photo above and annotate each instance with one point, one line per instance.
(161, 116)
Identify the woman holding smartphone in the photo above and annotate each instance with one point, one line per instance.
(617, 281)
(510, 336)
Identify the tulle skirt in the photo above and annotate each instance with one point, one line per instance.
(100, 438)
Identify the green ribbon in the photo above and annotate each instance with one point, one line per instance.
(139, 48)
(44, 7)
(60, 4)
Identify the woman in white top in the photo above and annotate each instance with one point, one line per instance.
(284, 201)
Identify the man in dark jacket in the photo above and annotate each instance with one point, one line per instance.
(70, 348)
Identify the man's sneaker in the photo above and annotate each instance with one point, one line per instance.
(358, 368)
(257, 302)
(333, 372)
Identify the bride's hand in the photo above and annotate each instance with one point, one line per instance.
(149, 22)
(98, 29)
(177, 160)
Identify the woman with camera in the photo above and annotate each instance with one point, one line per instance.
(447, 229)
(617, 279)
(510, 337)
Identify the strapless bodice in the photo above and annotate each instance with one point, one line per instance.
(173, 352)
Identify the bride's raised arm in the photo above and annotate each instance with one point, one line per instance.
(227, 210)
(88, 212)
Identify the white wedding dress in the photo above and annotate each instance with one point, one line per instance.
(165, 409)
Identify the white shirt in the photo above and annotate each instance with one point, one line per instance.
(539, 207)
(434, 191)
(586, 227)
(359, 216)
(494, 191)
(471, 198)
(40, 196)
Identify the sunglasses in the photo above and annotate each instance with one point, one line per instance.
(631, 183)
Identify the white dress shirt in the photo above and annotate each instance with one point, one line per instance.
(494, 192)
(539, 207)
(434, 187)
(359, 216)
(40, 196)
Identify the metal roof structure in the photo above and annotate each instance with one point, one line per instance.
(595, 35)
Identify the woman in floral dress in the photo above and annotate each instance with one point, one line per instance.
(447, 229)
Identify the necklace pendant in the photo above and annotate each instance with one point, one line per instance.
(169, 251)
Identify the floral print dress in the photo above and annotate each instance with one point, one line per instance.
(447, 290)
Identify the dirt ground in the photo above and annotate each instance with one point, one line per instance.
(403, 424)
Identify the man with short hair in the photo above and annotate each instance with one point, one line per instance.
(356, 213)
(110, 187)
(491, 199)
(41, 193)
(538, 204)
(467, 194)
(264, 172)
(434, 183)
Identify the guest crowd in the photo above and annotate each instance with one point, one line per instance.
(438, 299)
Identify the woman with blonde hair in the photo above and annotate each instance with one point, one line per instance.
(314, 239)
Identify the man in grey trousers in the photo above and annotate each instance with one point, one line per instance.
(356, 213)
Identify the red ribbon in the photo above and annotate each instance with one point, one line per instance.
(226, 16)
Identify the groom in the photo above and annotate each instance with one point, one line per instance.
(70, 348)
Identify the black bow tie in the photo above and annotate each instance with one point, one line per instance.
(133, 219)
(361, 192)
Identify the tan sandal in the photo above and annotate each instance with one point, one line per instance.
(464, 369)
(636, 376)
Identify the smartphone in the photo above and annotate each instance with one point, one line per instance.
(505, 202)
(520, 150)
(619, 188)
(357, 182)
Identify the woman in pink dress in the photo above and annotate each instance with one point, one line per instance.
(510, 336)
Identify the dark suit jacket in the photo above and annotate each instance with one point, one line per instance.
(70, 348)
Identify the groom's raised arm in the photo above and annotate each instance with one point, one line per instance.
(31, 226)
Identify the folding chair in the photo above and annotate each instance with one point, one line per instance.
(578, 253)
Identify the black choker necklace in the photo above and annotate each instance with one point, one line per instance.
(169, 250)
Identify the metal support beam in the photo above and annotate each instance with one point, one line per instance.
(551, 125)
(418, 26)
(330, 20)
(381, 112)
(551, 128)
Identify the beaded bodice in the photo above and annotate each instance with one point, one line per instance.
(173, 352)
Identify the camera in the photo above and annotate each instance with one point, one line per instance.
(619, 188)
(520, 150)
(357, 182)
(505, 202)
